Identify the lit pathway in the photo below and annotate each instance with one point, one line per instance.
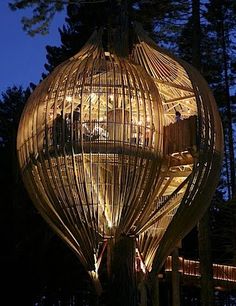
(192, 268)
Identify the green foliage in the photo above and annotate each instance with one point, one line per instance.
(30, 250)
(223, 222)
(221, 26)
(11, 106)
(217, 56)
(81, 22)
(84, 18)
(42, 14)
(168, 27)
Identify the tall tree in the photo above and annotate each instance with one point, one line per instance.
(30, 248)
(221, 23)
(191, 46)
(210, 54)
(84, 16)
(223, 222)
(42, 12)
(218, 67)
(13, 203)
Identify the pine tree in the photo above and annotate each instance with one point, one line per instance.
(221, 17)
(214, 63)
(173, 19)
(42, 13)
(31, 255)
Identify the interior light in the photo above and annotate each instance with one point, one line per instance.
(68, 98)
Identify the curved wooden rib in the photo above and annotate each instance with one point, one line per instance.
(206, 155)
(90, 146)
(102, 155)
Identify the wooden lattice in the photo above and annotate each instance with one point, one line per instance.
(103, 152)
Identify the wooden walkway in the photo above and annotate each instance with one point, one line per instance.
(191, 268)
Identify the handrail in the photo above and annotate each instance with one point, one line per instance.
(192, 268)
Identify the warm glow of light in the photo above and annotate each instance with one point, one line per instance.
(141, 263)
(93, 97)
(96, 263)
(101, 166)
(93, 274)
(142, 266)
(109, 223)
(192, 268)
(68, 98)
(108, 215)
(111, 97)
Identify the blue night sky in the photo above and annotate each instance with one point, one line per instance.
(22, 57)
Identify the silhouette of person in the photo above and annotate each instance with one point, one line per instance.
(58, 130)
(77, 113)
(76, 122)
(99, 133)
(86, 132)
(177, 116)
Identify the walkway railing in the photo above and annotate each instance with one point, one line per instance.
(192, 268)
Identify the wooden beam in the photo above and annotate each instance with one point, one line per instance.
(179, 99)
(170, 84)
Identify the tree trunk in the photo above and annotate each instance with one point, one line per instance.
(153, 285)
(119, 29)
(205, 261)
(227, 167)
(203, 229)
(175, 278)
(123, 291)
(228, 110)
(196, 40)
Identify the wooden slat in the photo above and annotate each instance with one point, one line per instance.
(102, 155)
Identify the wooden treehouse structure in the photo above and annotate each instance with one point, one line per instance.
(114, 148)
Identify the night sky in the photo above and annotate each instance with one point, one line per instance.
(22, 57)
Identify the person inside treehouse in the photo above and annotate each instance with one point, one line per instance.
(99, 133)
(67, 127)
(58, 129)
(86, 132)
(177, 116)
(76, 122)
(77, 113)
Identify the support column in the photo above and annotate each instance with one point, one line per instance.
(206, 268)
(123, 290)
(156, 299)
(153, 290)
(175, 278)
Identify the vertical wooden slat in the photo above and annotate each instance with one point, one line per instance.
(98, 188)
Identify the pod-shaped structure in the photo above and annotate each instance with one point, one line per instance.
(104, 153)
(90, 146)
(193, 150)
